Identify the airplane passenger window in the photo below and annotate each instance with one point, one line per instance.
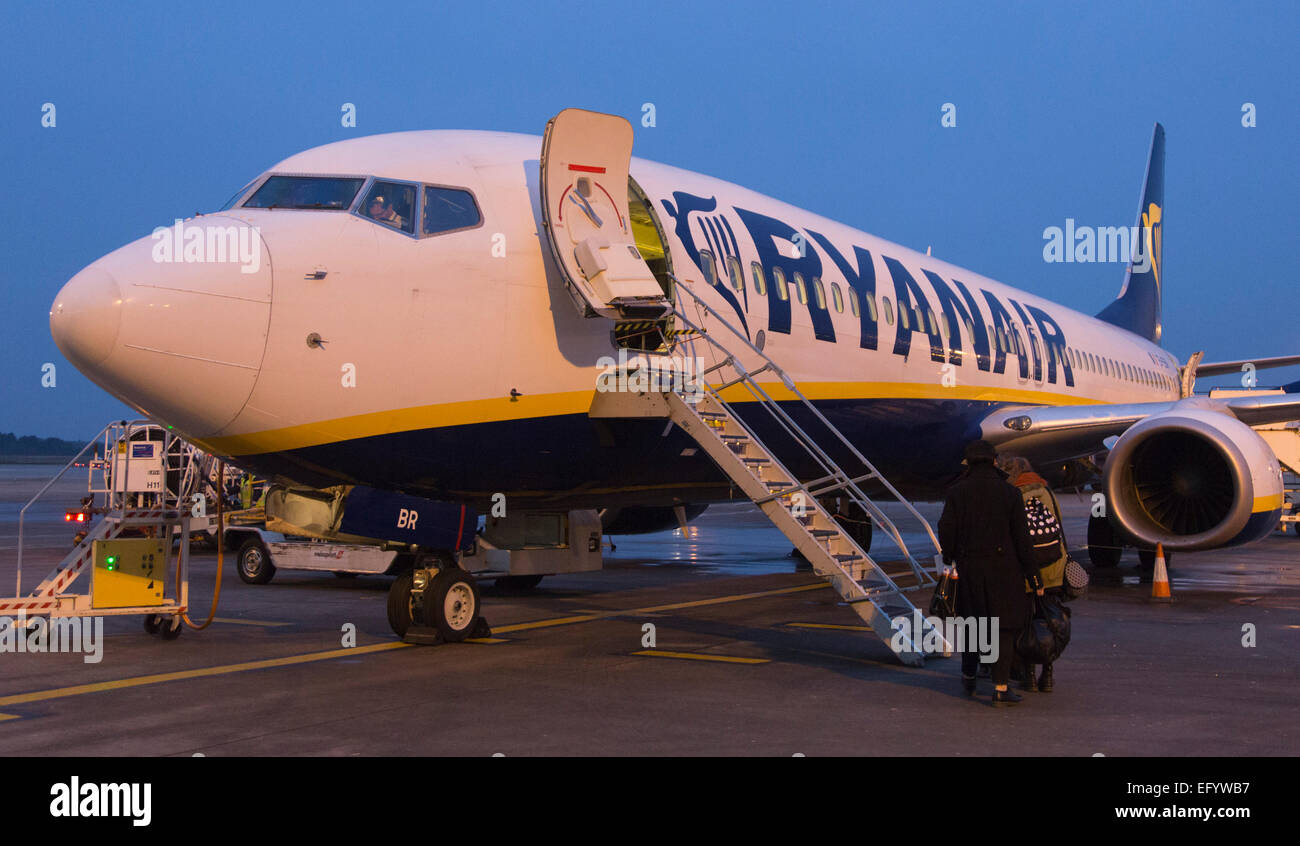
(779, 284)
(904, 317)
(945, 328)
(820, 291)
(305, 192)
(930, 322)
(871, 306)
(853, 304)
(446, 209)
(800, 289)
(760, 282)
(710, 272)
(391, 204)
(889, 310)
(737, 275)
(837, 298)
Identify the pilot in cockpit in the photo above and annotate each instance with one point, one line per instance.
(381, 209)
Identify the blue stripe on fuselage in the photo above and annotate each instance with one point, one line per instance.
(570, 460)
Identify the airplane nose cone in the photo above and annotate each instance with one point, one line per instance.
(173, 324)
(86, 317)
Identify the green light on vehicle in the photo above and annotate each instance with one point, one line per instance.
(111, 562)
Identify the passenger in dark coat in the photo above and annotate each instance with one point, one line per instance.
(984, 534)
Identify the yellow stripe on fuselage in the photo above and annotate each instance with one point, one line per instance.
(525, 407)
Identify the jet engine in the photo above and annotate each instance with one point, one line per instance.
(1193, 478)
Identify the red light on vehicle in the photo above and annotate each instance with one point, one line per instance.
(67, 517)
(81, 518)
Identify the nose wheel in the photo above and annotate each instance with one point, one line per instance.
(431, 606)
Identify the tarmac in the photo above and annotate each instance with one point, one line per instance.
(750, 656)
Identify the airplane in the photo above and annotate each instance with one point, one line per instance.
(429, 314)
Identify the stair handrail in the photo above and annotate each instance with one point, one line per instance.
(777, 410)
(22, 514)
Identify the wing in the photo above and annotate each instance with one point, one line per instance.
(1061, 433)
(1220, 368)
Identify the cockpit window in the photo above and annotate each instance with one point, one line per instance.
(446, 209)
(392, 204)
(305, 192)
(230, 204)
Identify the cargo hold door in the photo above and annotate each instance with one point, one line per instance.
(584, 188)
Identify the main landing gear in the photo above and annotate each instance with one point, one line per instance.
(436, 602)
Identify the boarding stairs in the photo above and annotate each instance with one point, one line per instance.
(119, 512)
(874, 589)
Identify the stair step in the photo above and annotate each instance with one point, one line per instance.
(850, 573)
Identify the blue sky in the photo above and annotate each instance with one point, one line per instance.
(164, 110)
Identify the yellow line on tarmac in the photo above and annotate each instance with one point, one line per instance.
(486, 640)
(830, 626)
(239, 622)
(652, 609)
(4, 717)
(138, 681)
(699, 656)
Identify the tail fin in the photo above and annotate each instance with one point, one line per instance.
(1137, 308)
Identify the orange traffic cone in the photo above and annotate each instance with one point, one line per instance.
(1160, 578)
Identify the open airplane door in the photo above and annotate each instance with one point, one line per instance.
(584, 176)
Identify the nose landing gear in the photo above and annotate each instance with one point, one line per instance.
(436, 602)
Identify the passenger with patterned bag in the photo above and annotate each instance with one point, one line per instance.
(1047, 535)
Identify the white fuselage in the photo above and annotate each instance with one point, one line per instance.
(433, 334)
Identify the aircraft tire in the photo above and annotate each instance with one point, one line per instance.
(1104, 549)
(399, 603)
(453, 604)
(253, 563)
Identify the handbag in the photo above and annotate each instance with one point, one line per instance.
(1057, 615)
(1076, 578)
(944, 602)
(1036, 643)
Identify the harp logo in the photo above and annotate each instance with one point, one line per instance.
(1151, 231)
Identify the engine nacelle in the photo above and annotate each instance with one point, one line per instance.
(1193, 478)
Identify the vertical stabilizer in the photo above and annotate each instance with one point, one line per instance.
(1137, 308)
